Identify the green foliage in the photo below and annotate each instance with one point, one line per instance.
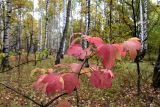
(42, 54)
(154, 28)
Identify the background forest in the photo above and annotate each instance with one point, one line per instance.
(35, 35)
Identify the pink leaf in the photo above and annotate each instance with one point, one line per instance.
(75, 67)
(95, 40)
(71, 82)
(63, 103)
(108, 53)
(120, 49)
(101, 79)
(39, 84)
(87, 52)
(76, 51)
(51, 83)
(132, 45)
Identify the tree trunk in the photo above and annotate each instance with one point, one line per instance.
(137, 58)
(1, 26)
(145, 23)
(40, 35)
(85, 44)
(110, 22)
(46, 26)
(59, 53)
(141, 35)
(134, 34)
(64, 23)
(156, 75)
(20, 29)
(71, 23)
(5, 62)
(142, 32)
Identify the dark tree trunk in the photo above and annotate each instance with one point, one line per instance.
(137, 58)
(134, 19)
(156, 75)
(59, 53)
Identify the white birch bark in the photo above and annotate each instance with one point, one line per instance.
(87, 20)
(141, 23)
(20, 29)
(145, 23)
(64, 23)
(46, 26)
(6, 33)
(40, 34)
(71, 23)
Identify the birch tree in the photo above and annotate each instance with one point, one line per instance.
(143, 30)
(5, 62)
(1, 25)
(110, 21)
(20, 29)
(64, 23)
(141, 23)
(145, 45)
(85, 44)
(40, 34)
(46, 26)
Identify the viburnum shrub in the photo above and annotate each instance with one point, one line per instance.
(100, 76)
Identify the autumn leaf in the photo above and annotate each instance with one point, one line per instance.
(121, 50)
(95, 40)
(75, 67)
(101, 78)
(132, 45)
(108, 54)
(71, 82)
(51, 83)
(76, 51)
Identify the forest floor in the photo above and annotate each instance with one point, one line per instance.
(122, 94)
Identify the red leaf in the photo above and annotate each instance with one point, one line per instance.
(51, 83)
(63, 103)
(95, 40)
(71, 82)
(101, 79)
(120, 49)
(75, 67)
(132, 45)
(108, 53)
(39, 84)
(76, 51)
